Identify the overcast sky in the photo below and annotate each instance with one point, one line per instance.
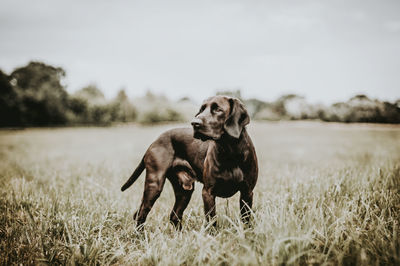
(324, 50)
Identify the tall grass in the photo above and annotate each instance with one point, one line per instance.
(327, 194)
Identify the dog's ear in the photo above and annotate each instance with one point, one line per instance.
(238, 118)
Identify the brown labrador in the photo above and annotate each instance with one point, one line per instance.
(217, 151)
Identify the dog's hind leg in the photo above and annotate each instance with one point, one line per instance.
(157, 162)
(153, 186)
(182, 198)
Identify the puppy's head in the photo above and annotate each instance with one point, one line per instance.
(220, 115)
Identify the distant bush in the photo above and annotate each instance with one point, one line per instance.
(157, 108)
(254, 107)
(156, 115)
(89, 106)
(360, 108)
(121, 109)
(78, 109)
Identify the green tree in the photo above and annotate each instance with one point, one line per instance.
(122, 109)
(9, 103)
(90, 106)
(92, 94)
(42, 96)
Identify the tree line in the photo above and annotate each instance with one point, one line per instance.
(359, 108)
(35, 95)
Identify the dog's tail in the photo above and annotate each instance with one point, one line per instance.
(139, 169)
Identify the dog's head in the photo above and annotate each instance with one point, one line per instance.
(220, 115)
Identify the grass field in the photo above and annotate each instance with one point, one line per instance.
(327, 194)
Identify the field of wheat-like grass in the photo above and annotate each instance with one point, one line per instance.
(326, 194)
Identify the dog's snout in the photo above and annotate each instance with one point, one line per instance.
(197, 122)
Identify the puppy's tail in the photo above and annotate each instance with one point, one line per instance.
(139, 169)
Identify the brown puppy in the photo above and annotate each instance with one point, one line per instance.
(219, 153)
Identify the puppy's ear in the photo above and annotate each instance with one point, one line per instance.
(238, 118)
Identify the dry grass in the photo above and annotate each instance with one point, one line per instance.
(327, 194)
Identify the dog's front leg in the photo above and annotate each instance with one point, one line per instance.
(246, 203)
(209, 204)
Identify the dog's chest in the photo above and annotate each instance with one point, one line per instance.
(225, 183)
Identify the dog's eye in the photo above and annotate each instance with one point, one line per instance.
(215, 108)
